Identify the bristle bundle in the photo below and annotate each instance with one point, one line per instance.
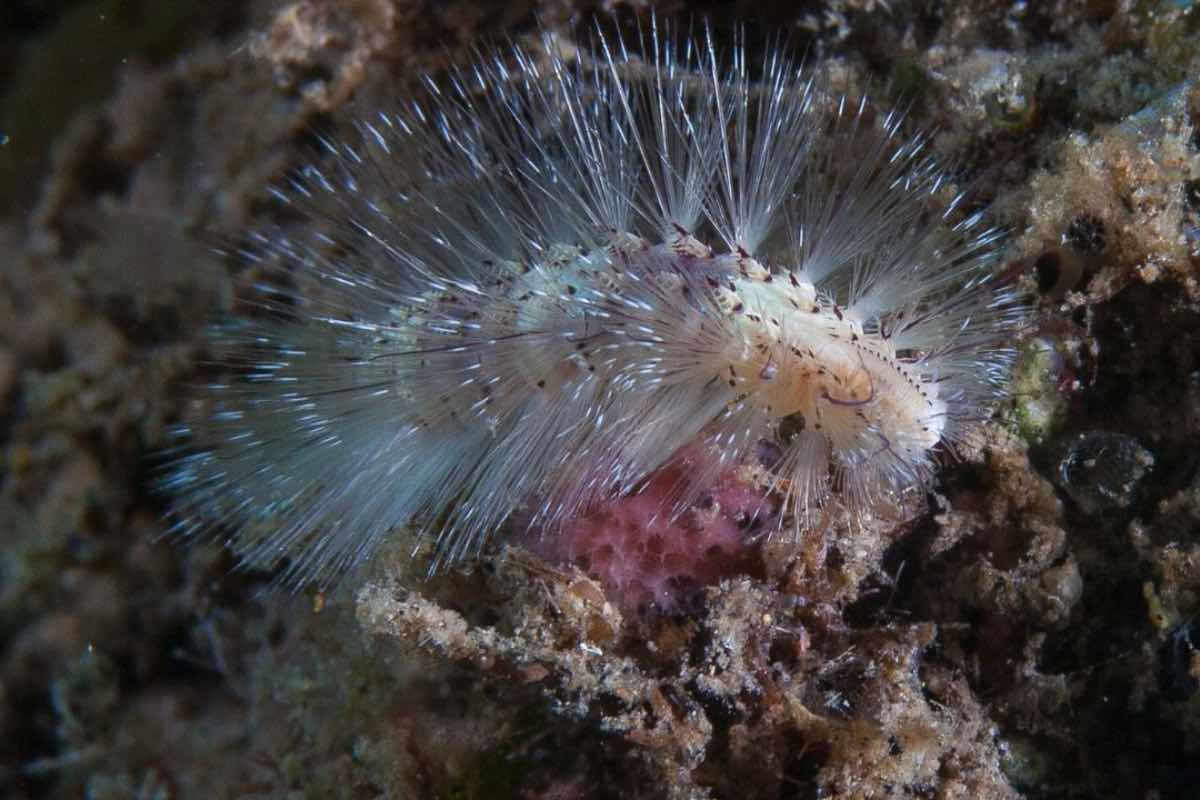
(536, 285)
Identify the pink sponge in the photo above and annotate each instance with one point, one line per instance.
(646, 560)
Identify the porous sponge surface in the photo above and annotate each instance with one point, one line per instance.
(650, 560)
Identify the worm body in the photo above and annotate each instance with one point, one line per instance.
(526, 291)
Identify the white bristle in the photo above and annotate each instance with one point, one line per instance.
(534, 285)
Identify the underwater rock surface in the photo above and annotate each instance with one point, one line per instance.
(1023, 631)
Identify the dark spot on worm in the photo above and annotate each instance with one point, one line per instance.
(791, 426)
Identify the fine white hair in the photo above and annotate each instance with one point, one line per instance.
(536, 283)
